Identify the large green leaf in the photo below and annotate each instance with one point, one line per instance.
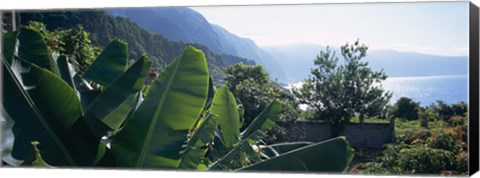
(113, 105)
(225, 106)
(45, 109)
(332, 155)
(197, 145)
(32, 48)
(110, 64)
(265, 120)
(153, 137)
(208, 104)
(67, 70)
(117, 117)
(280, 148)
(211, 94)
(8, 45)
(225, 162)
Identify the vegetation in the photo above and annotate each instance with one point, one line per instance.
(337, 92)
(182, 122)
(405, 108)
(439, 148)
(445, 111)
(255, 91)
(73, 43)
(74, 98)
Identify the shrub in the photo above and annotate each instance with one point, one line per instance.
(406, 108)
(421, 159)
(461, 161)
(457, 121)
(408, 137)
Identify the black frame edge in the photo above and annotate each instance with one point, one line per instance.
(473, 126)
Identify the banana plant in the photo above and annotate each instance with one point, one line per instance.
(179, 124)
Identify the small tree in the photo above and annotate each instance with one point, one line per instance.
(73, 43)
(338, 92)
(253, 87)
(425, 115)
(406, 108)
(446, 111)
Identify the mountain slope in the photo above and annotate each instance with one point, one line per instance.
(178, 24)
(187, 25)
(104, 28)
(297, 60)
(398, 63)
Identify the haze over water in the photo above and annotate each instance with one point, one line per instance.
(425, 89)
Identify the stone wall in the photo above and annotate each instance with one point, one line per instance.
(366, 135)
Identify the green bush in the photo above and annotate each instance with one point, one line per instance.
(446, 111)
(440, 150)
(405, 108)
(461, 161)
(421, 159)
(446, 139)
(457, 121)
(408, 137)
(410, 159)
(254, 89)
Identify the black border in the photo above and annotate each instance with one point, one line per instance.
(473, 140)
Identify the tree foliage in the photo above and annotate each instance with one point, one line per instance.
(74, 43)
(337, 91)
(445, 111)
(254, 89)
(406, 108)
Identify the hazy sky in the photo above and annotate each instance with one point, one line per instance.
(434, 28)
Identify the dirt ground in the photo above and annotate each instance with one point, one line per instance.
(363, 155)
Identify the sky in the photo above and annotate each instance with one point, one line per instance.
(439, 28)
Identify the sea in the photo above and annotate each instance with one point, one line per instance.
(425, 89)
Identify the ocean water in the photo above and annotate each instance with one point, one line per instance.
(429, 89)
(425, 89)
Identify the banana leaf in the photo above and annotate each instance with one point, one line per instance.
(331, 156)
(110, 64)
(45, 109)
(280, 148)
(67, 71)
(153, 137)
(265, 120)
(31, 47)
(114, 104)
(196, 147)
(225, 162)
(225, 106)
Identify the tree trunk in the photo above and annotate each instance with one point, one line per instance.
(362, 119)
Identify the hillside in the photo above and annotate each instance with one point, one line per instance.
(187, 25)
(104, 27)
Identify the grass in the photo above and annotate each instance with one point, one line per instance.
(402, 125)
(356, 119)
